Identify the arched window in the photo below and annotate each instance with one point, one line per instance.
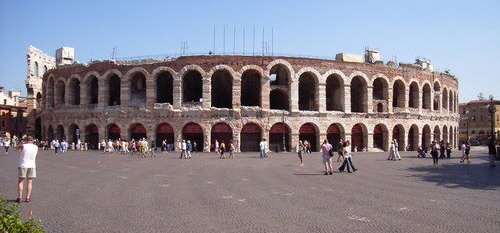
(36, 69)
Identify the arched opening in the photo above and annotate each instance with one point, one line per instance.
(50, 134)
(114, 132)
(164, 89)
(335, 93)
(380, 94)
(414, 95)
(450, 136)
(279, 137)
(380, 139)
(38, 128)
(437, 95)
(279, 100)
(92, 136)
(437, 134)
(39, 99)
(44, 70)
(450, 101)
(192, 87)
(398, 133)
(74, 133)
(280, 80)
(358, 134)
(358, 95)
(308, 92)
(60, 93)
(445, 134)
(222, 89)
(50, 93)
(194, 133)
(426, 97)
(250, 137)
(60, 133)
(137, 132)
(413, 138)
(114, 90)
(137, 89)
(308, 132)
(36, 69)
(333, 135)
(398, 94)
(426, 137)
(445, 99)
(221, 132)
(251, 88)
(74, 92)
(164, 132)
(93, 90)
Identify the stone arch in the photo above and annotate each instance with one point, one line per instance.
(308, 91)
(359, 92)
(50, 134)
(73, 133)
(444, 138)
(335, 92)
(413, 137)
(91, 136)
(50, 91)
(451, 101)
(91, 80)
(251, 87)
(282, 75)
(398, 133)
(164, 79)
(414, 95)
(137, 81)
(279, 137)
(282, 62)
(60, 135)
(381, 137)
(444, 99)
(194, 132)
(192, 85)
(426, 137)
(437, 95)
(251, 135)
(359, 137)
(279, 99)
(436, 134)
(36, 69)
(334, 134)
(131, 73)
(74, 90)
(60, 92)
(310, 132)
(380, 95)
(165, 132)
(398, 93)
(137, 131)
(222, 87)
(426, 96)
(112, 79)
(222, 132)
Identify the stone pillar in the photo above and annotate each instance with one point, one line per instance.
(347, 98)
(103, 94)
(369, 99)
(321, 138)
(294, 95)
(322, 97)
(294, 140)
(177, 139)
(369, 142)
(124, 92)
(177, 92)
(264, 93)
(236, 140)
(390, 96)
(150, 91)
(207, 137)
(420, 101)
(84, 98)
(236, 91)
(407, 99)
(207, 92)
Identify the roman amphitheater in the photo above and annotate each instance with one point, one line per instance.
(243, 99)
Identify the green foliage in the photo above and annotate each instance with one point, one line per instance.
(11, 221)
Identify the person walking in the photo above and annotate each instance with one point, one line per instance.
(26, 168)
(448, 150)
(6, 145)
(465, 152)
(326, 150)
(183, 149)
(194, 147)
(56, 146)
(263, 148)
(392, 149)
(64, 146)
(231, 150)
(441, 149)
(396, 150)
(340, 150)
(300, 152)
(347, 159)
(216, 148)
(222, 149)
(189, 148)
(435, 152)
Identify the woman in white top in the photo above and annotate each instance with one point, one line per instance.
(27, 168)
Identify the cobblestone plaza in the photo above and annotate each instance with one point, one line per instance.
(90, 192)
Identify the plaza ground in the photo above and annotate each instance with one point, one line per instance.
(90, 192)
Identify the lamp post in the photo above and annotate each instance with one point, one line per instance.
(492, 110)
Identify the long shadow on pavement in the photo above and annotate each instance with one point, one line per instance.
(459, 175)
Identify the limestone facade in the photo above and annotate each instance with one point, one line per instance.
(247, 98)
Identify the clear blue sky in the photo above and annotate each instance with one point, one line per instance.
(463, 36)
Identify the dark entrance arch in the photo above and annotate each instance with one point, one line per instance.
(92, 136)
(221, 132)
(137, 131)
(74, 132)
(114, 132)
(308, 132)
(250, 88)
(250, 137)
(114, 90)
(413, 138)
(194, 133)
(279, 100)
(164, 132)
(357, 138)
(278, 133)
(50, 134)
(398, 134)
(222, 89)
(60, 133)
(164, 88)
(426, 137)
(192, 87)
(307, 93)
(333, 135)
(379, 134)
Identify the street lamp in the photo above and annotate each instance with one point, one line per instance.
(492, 110)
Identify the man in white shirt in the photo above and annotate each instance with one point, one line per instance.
(27, 168)
(263, 148)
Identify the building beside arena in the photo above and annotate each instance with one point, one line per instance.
(243, 99)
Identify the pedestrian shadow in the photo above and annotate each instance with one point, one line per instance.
(459, 175)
